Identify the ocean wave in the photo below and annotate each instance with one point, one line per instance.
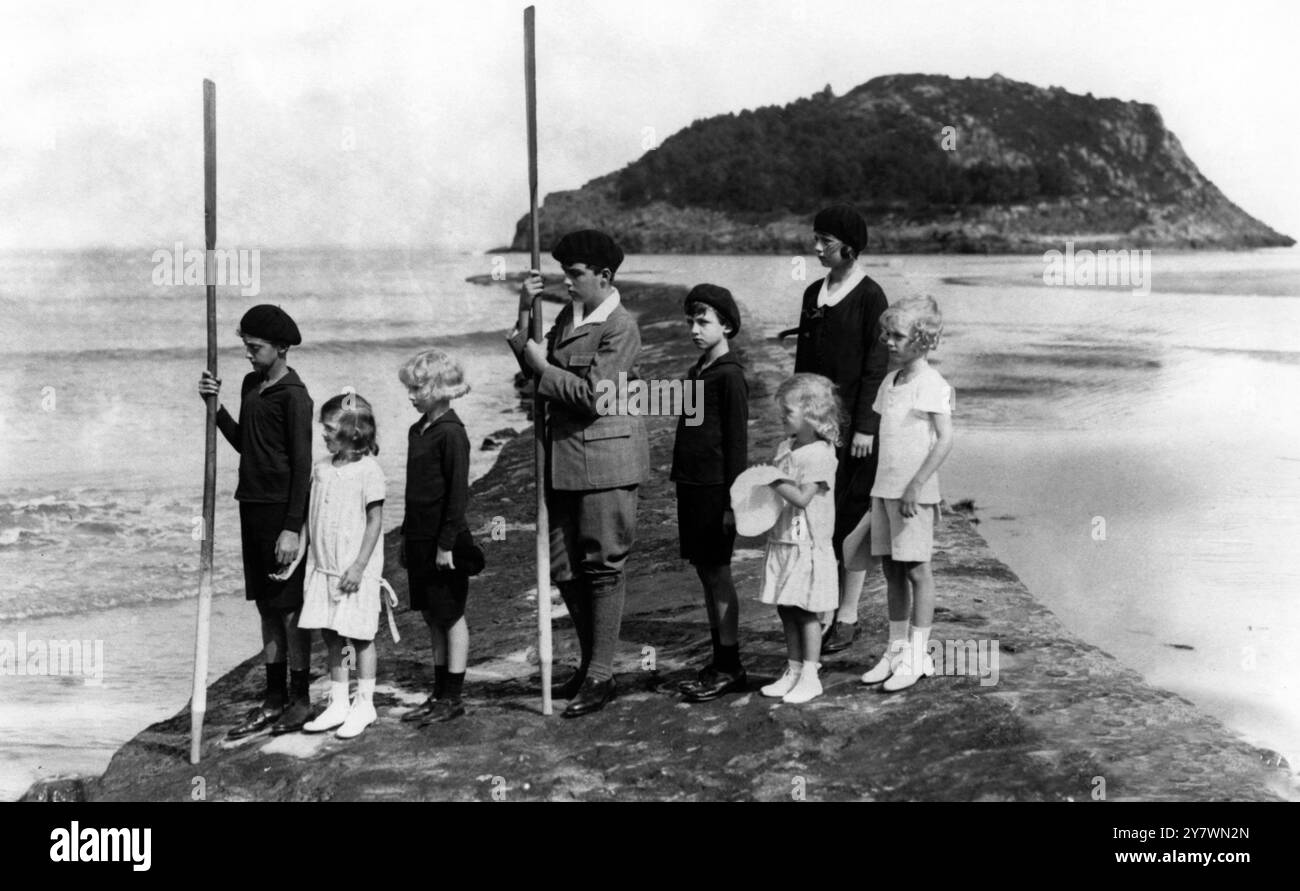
(325, 346)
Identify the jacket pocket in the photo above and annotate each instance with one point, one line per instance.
(580, 360)
(607, 428)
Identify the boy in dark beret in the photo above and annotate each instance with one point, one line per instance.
(273, 439)
(594, 461)
(707, 458)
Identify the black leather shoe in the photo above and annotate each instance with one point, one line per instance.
(292, 719)
(569, 688)
(720, 683)
(420, 712)
(707, 677)
(591, 698)
(444, 710)
(840, 636)
(257, 720)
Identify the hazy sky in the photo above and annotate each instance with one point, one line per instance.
(402, 123)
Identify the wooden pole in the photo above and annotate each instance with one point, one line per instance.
(199, 696)
(539, 410)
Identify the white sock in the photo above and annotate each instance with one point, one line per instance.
(897, 630)
(920, 640)
(808, 669)
(338, 692)
(366, 689)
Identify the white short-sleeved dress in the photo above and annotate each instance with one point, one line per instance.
(336, 524)
(800, 568)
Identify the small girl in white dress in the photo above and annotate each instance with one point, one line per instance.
(341, 593)
(800, 574)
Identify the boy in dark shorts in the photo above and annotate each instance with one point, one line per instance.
(273, 437)
(437, 495)
(707, 458)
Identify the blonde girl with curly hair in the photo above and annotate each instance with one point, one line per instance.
(800, 574)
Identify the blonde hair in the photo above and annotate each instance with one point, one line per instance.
(436, 375)
(816, 396)
(919, 317)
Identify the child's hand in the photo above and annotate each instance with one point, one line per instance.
(350, 581)
(209, 385)
(861, 445)
(444, 560)
(286, 548)
(532, 286)
(910, 494)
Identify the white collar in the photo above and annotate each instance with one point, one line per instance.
(851, 281)
(599, 314)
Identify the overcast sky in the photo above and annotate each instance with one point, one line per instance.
(402, 123)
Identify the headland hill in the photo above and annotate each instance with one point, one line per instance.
(938, 165)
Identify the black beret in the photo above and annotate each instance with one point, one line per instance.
(589, 246)
(721, 301)
(270, 323)
(845, 223)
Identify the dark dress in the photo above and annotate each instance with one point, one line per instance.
(842, 342)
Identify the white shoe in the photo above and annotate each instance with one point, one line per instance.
(361, 716)
(906, 674)
(782, 685)
(809, 687)
(333, 716)
(885, 667)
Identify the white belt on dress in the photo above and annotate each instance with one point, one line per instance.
(389, 598)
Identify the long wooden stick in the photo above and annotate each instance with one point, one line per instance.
(539, 410)
(199, 696)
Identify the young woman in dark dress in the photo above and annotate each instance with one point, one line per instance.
(839, 338)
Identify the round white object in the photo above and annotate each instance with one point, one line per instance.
(753, 501)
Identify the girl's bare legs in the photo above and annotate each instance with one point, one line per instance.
(809, 629)
(794, 652)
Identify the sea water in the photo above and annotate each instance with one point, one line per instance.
(1132, 458)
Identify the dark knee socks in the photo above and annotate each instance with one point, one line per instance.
(299, 684)
(439, 681)
(727, 658)
(277, 690)
(607, 595)
(577, 601)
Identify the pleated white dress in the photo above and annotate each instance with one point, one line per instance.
(336, 523)
(800, 568)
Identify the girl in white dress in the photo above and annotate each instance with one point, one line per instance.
(800, 574)
(341, 594)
